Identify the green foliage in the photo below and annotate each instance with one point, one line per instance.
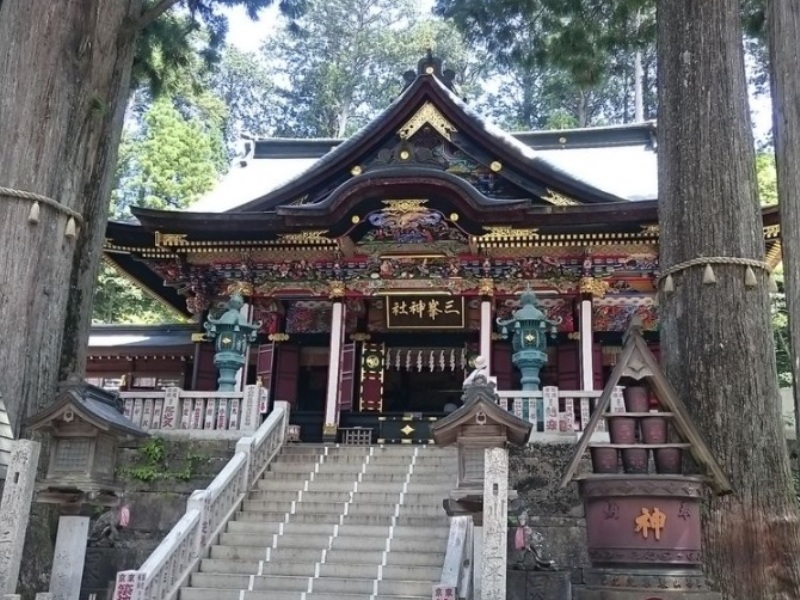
(572, 57)
(342, 62)
(154, 464)
(192, 29)
(117, 300)
(170, 159)
(767, 178)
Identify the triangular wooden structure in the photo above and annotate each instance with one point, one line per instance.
(637, 362)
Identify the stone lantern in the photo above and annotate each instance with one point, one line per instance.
(85, 424)
(529, 327)
(232, 333)
(482, 430)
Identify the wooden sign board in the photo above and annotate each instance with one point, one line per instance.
(425, 312)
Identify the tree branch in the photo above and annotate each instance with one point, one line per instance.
(152, 13)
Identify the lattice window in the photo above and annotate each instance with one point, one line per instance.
(473, 459)
(72, 454)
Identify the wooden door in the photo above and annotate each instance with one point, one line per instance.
(265, 360)
(598, 376)
(346, 374)
(502, 367)
(569, 371)
(206, 375)
(287, 371)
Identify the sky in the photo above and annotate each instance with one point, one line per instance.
(248, 35)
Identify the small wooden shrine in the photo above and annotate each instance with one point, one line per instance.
(642, 499)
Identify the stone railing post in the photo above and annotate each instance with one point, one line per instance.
(199, 501)
(246, 445)
(249, 415)
(171, 410)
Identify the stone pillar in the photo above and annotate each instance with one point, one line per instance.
(68, 558)
(587, 353)
(334, 367)
(477, 560)
(15, 508)
(590, 288)
(241, 376)
(486, 332)
(495, 524)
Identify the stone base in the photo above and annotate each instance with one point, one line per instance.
(539, 585)
(644, 584)
(653, 594)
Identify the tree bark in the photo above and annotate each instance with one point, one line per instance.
(66, 64)
(717, 344)
(784, 28)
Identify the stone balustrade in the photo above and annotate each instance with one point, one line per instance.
(555, 412)
(207, 513)
(217, 414)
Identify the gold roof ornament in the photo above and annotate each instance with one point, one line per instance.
(652, 229)
(428, 114)
(557, 199)
(772, 231)
(169, 239)
(596, 288)
(313, 236)
(244, 288)
(404, 206)
(502, 233)
(336, 289)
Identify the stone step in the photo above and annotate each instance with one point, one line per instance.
(439, 488)
(374, 450)
(357, 507)
(334, 556)
(345, 583)
(238, 567)
(356, 467)
(384, 498)
(254, 528)
(216, 594)
(389, 459)
(261, 541)
(359, 519)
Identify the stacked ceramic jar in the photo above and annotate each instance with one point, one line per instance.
(634, 433)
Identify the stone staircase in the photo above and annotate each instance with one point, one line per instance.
(335, 523)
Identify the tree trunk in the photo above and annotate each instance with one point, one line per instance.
(67, 65)
(784, 29)
(717, 341)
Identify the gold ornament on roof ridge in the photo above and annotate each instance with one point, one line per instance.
(652, 229)
(404, 206)
(591, 286)
(309, 236)
(170, 239)
(557, 199)
(504, 233)
(428, 114)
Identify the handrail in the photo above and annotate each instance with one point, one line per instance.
(207, 513)
(456, 578)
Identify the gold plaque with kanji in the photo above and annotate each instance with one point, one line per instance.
(425, 312)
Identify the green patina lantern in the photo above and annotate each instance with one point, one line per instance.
(529, 327)
(231, 333)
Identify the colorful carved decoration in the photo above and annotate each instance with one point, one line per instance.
(619, 317)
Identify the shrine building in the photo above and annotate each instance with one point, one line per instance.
(379, 265)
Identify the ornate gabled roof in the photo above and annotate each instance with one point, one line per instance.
(427, 102)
